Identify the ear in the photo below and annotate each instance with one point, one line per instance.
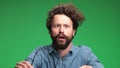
(74, 32)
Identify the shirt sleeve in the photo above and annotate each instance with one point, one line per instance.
(90, 58)
(33, 58)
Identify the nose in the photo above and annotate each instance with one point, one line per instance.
(61, 30)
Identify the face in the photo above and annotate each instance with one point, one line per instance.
(62, 31)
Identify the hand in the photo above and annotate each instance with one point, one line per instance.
(23, 64)
(86, 66)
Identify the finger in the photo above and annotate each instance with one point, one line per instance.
(21, 65)
(89, 66)
(18, 66)
(28, 64)
(86, 66)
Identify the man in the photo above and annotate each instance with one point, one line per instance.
(62, 23)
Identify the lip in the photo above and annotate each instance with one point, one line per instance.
(61, 38)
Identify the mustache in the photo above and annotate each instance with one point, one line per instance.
(54, 38)
(61, 35)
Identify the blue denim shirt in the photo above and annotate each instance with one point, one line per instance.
(48, 57)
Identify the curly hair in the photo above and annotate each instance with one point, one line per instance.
(68, 10)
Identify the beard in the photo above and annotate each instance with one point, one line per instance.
(61, 44)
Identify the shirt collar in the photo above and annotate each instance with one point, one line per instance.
(51, 48)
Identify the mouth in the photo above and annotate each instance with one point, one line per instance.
(61, 37)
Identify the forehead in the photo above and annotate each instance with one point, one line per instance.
(61, 19)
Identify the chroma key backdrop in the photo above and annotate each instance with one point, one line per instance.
(23, 28)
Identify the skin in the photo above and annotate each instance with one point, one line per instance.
(23, 64)
(62, 26)
(86, 66)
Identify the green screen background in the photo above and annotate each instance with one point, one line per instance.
(22, 29)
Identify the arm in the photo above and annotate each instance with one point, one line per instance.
(30, 61)
(34, 57)
(90, 58)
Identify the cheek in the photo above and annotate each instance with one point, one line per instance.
(54, 32)
(69, 33)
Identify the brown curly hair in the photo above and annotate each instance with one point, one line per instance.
(68, 10)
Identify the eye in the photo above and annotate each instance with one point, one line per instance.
(56, 26)
(66, 26)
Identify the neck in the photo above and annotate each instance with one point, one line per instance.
(65, 51)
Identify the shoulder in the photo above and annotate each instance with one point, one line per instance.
(42, 49)
(39, 50)
(86, 52)
(38, 54)
(84, 48)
